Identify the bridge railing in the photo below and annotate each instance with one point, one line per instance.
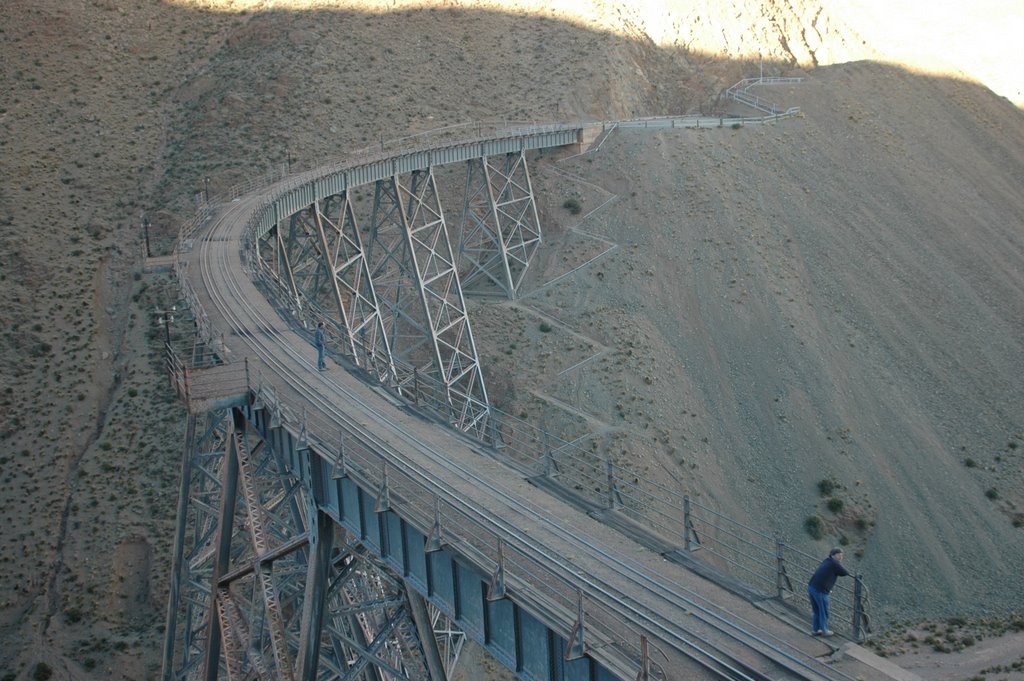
(767, 563)
(740, 92)
(551, 587)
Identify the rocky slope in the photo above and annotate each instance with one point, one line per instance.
(116, 114)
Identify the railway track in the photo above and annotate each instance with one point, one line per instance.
(556, 557)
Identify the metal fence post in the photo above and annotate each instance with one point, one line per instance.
(780, 569)
(687, 543)
(548, 462)
(612, 504)
(858, 607)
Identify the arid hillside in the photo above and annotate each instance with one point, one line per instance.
(833, 299)
(837, 296)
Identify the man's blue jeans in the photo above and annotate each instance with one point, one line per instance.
(320, 363)
(819, 609)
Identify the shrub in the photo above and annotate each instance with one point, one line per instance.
(826, 487)
(545, 327)
(73, 615)
(835, 504)
(970, 463)
(992, 493)
(573, 206)
(814, 527)
(42, 672)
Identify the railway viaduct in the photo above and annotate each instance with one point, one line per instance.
(360, 522)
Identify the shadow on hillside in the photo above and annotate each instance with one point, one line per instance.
(115, 113)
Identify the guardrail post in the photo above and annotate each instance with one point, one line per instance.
(780, 569)
(416, 386)
(549, 463)
(858, 607)
(613, 501)
(645, 661)
(687, 523)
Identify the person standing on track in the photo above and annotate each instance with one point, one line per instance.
(819, 588)
(318, 341)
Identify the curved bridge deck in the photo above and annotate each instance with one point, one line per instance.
(394, 479)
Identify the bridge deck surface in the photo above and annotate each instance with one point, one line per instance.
(627, 588)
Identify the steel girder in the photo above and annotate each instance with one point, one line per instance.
(423, 307)
(500, 229)
(342, 287)
(265, 586)
(397, 303)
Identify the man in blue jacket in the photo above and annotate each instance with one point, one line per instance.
(820, 587)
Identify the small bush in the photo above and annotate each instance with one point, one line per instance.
(573, 206)
(545, 327)
(826, 487)
(73, 615)
(42, 672)
(737, 126)
(814, 527)
(970, 463)
(835, 504)
(992, 493)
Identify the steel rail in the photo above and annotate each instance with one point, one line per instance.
(709, 661)
(270, 358)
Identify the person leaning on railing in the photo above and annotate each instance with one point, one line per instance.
(819, 588)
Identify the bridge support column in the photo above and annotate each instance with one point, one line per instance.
(421, 618)
(500, 231)
(265, 584)
(424, 310)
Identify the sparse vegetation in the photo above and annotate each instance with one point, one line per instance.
(89, 170)
(573, 206)
(815, 527)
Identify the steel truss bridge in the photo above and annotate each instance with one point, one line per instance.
(360, 523)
